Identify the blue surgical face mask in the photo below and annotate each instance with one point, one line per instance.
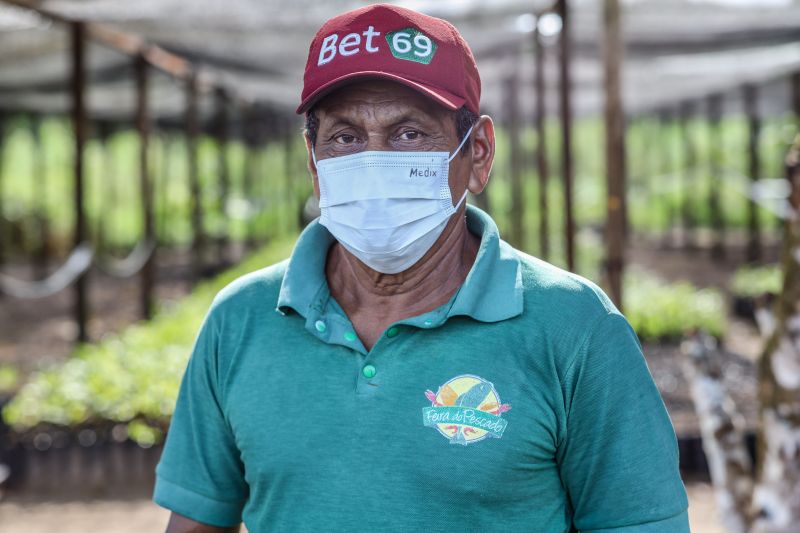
(387, 208)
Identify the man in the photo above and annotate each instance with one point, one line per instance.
(405, 369)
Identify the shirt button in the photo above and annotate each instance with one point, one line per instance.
(320, 325)
(393, 331)
(368, 371)
(428, 323)
(350, 336)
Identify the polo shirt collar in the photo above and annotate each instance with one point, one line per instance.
(491, 292)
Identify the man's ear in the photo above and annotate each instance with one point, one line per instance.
(312, 168)
(483, 145)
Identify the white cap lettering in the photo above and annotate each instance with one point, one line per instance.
(349, 44)
(369, 34)
(328, 50)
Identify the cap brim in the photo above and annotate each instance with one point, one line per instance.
(442, 97)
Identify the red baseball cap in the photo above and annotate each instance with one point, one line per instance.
(390, 42)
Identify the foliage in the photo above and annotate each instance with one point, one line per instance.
(750, 281)
(658, 179)
(278, 179)
(9, 378)
(132, 377)
(661, 311)
(656, 160)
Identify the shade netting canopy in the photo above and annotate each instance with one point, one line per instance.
(675, 50)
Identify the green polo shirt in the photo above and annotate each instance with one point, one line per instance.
(522, 404)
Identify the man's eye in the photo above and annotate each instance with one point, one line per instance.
(345, 138)
(410, 135)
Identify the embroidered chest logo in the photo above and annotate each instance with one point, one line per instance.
(466, 409)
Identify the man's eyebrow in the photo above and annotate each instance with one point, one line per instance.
(418, 118)
(335, 119)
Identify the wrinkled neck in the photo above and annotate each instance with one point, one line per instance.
(427, 284)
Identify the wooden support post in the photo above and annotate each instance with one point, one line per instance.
(652, 169)
(670, 170)
(565, 100)
(750, 93)
(658, 168)
(251, 161)
(79, 122)
(541, 143)
(39, 183)
(615, 151)
(251, 137)
(775, 503)
(223, 135)
(688, 176)
(143, 126)
(108, 194)
(167, 143)
(517, 234)
(192, 132)
(623, 165)
(796, 96)
(715, 170)
(3, 249)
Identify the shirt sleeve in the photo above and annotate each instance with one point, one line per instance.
(618, 457)
(200, 474)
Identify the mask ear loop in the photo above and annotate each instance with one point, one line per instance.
(461, 201)
(462, 143)
(314, 156)
(453, 157)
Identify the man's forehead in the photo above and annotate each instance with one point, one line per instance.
(384, 96)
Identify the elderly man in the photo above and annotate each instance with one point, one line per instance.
(406, 369)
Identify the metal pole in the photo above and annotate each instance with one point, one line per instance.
(541, 143)
(566, 130)
(143, 127)
(79, 120)
(750, 93)
(192, 130)
(615, 151)
(515, 161)
(715, 168)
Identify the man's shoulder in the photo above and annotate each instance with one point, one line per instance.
(259, 288)
(553, 292)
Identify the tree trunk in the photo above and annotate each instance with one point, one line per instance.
(773, 504)
(722, 429)
(776, 501)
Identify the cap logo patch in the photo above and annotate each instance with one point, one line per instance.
(411, 44)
